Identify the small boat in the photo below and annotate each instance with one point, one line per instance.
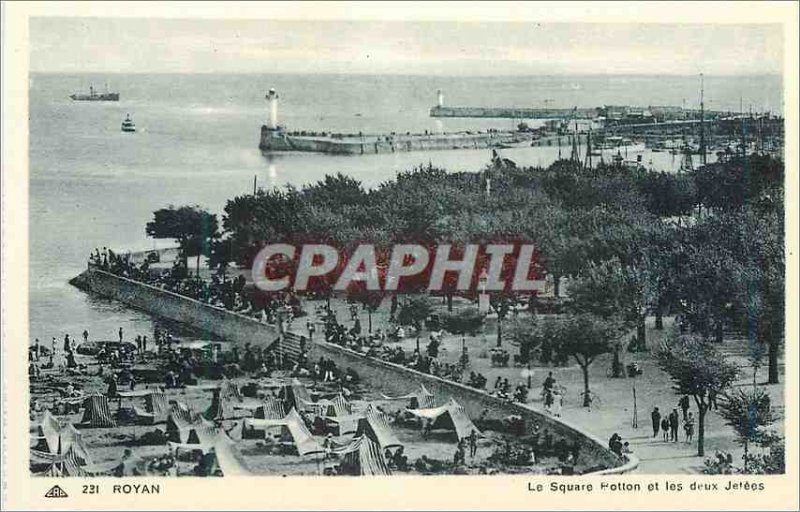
(127, 124)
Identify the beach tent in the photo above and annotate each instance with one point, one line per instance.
(375, 426)
(338, 412)
(46, 433)
(180, 421)
(271, 409)
(362, 457)
(56, 439)
(202, 435)
(228, 390)
(156, 403)
(57, 465)
(295, 431)
(156, 407)
(221, 408)
(72, 440)
(229, 459)
(295, 395)
(421, 399)
(292, 431)
(450, 416)
(96, 412)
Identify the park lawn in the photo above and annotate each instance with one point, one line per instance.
(615, 413)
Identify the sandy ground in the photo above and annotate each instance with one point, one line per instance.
(613, 414)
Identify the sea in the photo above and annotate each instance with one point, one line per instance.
(93, 186)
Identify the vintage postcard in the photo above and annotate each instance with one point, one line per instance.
(400, 256)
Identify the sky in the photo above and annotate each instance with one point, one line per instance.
(130, 45)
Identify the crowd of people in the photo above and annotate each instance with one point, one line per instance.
(669, 424)
(380, 345)
(219, 291)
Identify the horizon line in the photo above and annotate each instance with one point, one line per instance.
(432, 75)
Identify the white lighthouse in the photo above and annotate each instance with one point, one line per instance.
(272, 107)
(439, 98)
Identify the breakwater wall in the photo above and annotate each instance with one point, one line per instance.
(387, 377)
(278, 140)
(514, 113)
(394, 379)
(218, 321)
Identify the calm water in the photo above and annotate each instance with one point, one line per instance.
(92, 185)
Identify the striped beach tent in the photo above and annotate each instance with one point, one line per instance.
(271, 409)
(221, 408)
(229, 459)
(295, 395)
(362, 457)
(96, 412)
(180, 421)
(46, 433)
(202, 435)
(375, 426)
(228, 390)
(295, 432)
(450, 416)
(420, 399)
(57, 465)
(156, 403)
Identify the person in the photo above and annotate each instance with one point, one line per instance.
(548, 400)
(473, 443)
(399, 460)
(36, 350)
(426, 429)
(688, 427)
(549, 382)
(615, 444)
(139, 342)
(673, 425)
(67, 346)
(111, 392)
(460, 455)
(626, 447)
(665, 428)
(85, 335)
(712, 399)
(558, 401)
(498, 383)
(53, 346)
(683, 403)
(655, 416)
(120, 334)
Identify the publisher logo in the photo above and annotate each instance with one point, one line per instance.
(56, 492)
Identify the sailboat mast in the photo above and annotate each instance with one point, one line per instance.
(702, 123)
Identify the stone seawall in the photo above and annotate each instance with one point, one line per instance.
(387, 377)
(278, 141)
(220, 322)
(394, 379)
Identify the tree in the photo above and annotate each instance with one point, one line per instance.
(191, 227)
(747, 411)
(463, 322)
(697, 369)
(414, 311)
(582, 336)
(501, 302)
(370, 299)
(610, 290)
